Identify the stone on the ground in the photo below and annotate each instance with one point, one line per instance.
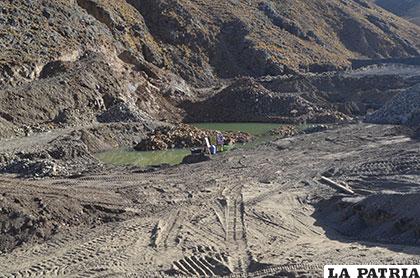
(195, 158)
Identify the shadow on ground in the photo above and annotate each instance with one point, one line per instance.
(377, 220)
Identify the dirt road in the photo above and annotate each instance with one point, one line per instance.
(251, 212)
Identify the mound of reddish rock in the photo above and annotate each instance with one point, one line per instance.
(185, 136)
(285, 131)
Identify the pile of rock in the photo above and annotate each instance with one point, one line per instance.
(285, 131)
(185, 136)
(247, 100)
(65, 155)
(404, 108)
(33, 168)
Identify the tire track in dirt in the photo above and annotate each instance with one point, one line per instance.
(116, 239)
(235, 229)
(228, 208)
(291, 268)
(231, 217)
(166, 230)
(408, 165)
(270, 193)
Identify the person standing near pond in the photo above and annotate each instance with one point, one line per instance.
(207, 145)
(220, 141)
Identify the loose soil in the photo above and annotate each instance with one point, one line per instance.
(88, 76)
(258, 212)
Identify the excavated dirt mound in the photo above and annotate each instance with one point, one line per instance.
(87, 91)
(384, 217)
(402, 109)
(248, 101)
(352, 92)
(63, 155)
(317, 98)
(30, 215)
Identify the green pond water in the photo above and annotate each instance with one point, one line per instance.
(131, 157)
(174, 157)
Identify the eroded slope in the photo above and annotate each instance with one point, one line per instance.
(409, 9)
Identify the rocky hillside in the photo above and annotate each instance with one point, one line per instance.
(409, 9)
(82, 62)
(209, 39)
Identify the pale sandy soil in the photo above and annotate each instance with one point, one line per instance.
(251, 212)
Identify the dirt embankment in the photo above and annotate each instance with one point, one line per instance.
(246, 100)
(403, 108)
(33, 215)
(68, 151)
(314, 98)
(94, 89)
(385, 205)
(385, 217)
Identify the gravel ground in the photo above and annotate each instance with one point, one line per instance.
(260, 210)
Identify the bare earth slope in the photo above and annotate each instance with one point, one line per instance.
(271, 37)
(203, 40)
(409, 9)
(82, 76)
(72, 63)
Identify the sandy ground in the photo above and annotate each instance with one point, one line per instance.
(253, 212)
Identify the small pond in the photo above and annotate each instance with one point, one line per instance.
(257, 129)
(173, 157)
(131, 157)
